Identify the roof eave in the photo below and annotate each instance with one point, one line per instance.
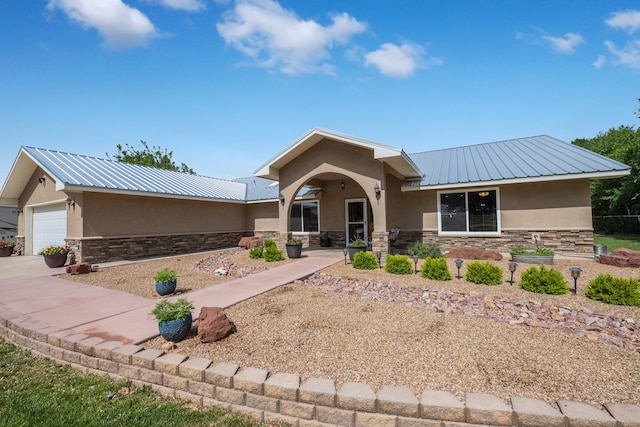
(592, 175)
(83, 188)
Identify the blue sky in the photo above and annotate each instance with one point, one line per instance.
(227, 85)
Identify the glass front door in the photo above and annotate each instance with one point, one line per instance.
(356, 220)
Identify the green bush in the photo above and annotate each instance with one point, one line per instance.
(543, 281)
(540, 251)
(270, 244)
(484, 272)
(398, 264)
(614, 290)
(365, 261)
(424, 250)
(255, 253)
(435, 269)
(165, 275)
(272, 253)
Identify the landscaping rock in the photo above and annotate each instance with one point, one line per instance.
(80, 268)
(474, 253)
(214, 325)
(621, 257)
(250, 242)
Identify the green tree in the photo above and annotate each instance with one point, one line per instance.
(620, 196)
(146, 156)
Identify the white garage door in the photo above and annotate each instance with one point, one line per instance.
(49, 226)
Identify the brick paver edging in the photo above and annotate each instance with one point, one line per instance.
(280, 397)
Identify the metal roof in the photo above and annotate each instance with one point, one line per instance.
(534, 158)
(76, 172)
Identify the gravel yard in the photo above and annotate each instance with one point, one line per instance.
(373, 327)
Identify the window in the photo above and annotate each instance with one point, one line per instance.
(304, 217)
(469, 212)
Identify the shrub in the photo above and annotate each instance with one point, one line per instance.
(614, 290)
(435, 269)
(255, 253)
(358, 244)
(365, 261)
(543, 281)
(165, 275)
(398, 264)
(270, 244)
(272, 253)
(484, 272)
(167, 310)
(424, 250)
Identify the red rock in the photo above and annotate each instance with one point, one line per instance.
(621, 257)
(474, 253)
(80, 268)
(214, 325)
(250, 242)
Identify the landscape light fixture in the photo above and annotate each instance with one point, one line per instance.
(458, 264)
(512, 269)
(575, 273)
(415, 264)
(281, 197)
(345, 251)
(376, 188)
(379, 256)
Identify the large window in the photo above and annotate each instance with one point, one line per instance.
(469, 212)
(304, 217)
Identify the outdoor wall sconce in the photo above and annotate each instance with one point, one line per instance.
(575, 273)
(458, 264)
(415, 264)
(18, 211)
(345, 251)
(512, 269)
(281, 197)
(41, 180)
(342, 185)
(376, 188)
(70, 202)
(379, 256)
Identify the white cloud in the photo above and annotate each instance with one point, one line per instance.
(598, 63)
(120, 25)
(628, 21)
(399, 61)
(273, 37)
(188, 5)
(565, 44)
(629, 55)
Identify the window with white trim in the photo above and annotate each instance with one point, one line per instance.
(469, 212)
(305, 217)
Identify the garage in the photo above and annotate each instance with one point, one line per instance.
(49, 226)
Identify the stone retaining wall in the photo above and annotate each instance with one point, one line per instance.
(281, 397)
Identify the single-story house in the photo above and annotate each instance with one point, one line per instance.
(496, 195)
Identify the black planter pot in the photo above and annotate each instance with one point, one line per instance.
(55, 260)
(6, 251)
(175, 330)
(325, 241)
(353, 251)
(166, 288)
(294, 251)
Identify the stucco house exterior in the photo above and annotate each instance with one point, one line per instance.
(326, 184)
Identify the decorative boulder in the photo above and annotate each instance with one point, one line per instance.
(474, 253)
(250, 242)
(214, 325)
(80, 268)
(621, 257)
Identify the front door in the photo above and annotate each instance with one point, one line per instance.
(356, 220)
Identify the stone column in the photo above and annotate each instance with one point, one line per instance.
(380, 242)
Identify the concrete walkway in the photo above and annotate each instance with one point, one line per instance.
(30, 294)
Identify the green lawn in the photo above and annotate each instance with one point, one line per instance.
(614, 241)
(38, 392)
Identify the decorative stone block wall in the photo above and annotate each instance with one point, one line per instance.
(127, 248)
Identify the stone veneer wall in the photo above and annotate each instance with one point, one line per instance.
(95, 250)
(579, 241)
(282, 397)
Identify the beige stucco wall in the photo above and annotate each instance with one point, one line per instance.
(110, 215)
(262, 216)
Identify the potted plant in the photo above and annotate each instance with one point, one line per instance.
(6, 248)
(166, 280)
(356, 246)
(55, 256)
(537, 256)
(294, 248)
(174, 318)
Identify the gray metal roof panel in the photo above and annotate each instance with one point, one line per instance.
(537, 156)
(105, 174)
